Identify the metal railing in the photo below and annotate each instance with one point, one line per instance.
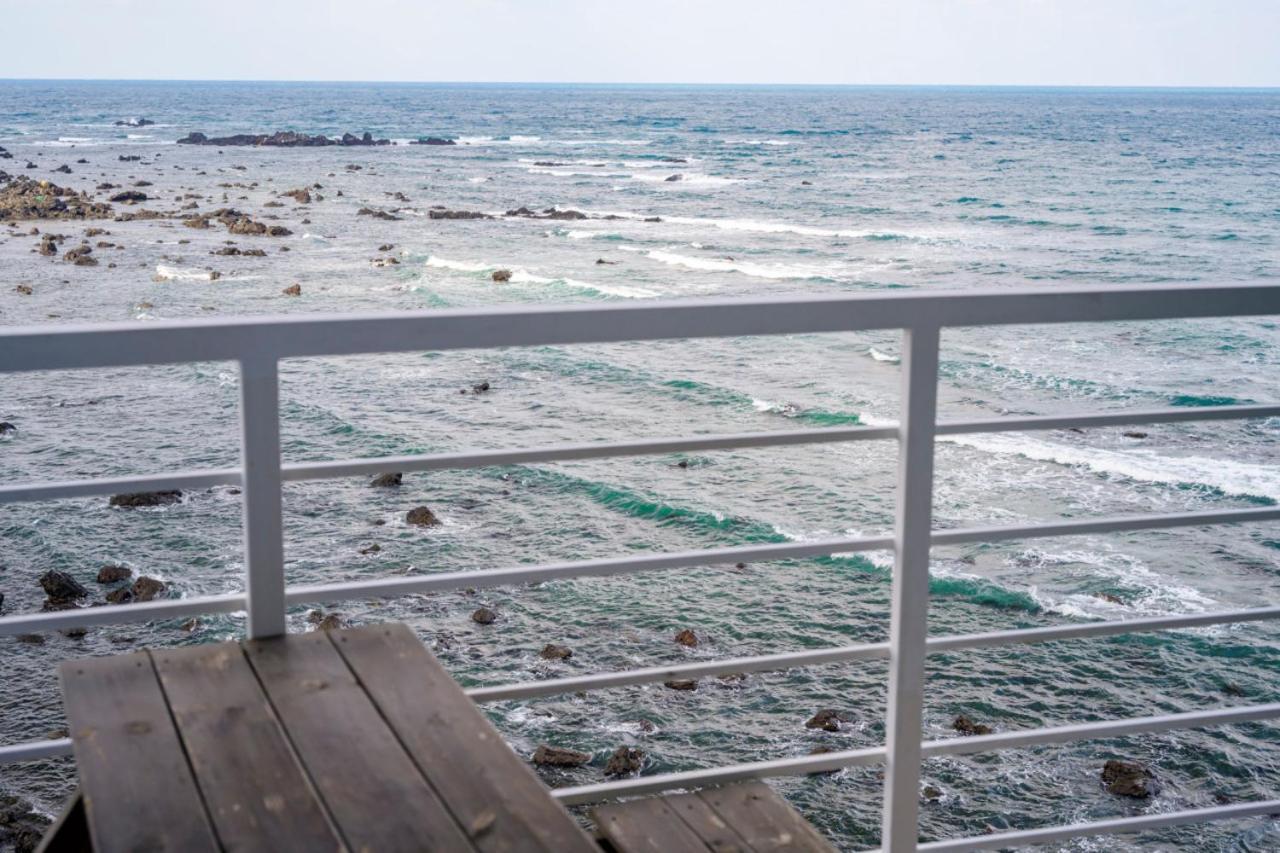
(258, 344)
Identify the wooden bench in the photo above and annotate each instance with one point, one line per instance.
(745, 818)
(346, 740)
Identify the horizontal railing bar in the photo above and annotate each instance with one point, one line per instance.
(146, 611)
(866, 651)
(1021, 738)
(35, 750)
(118, 485)
(821, 763)
(724, 666)
(137, 343)
(1112, 524)
(1147, 416)
(580, 568)
(1115, 826)
(566, 452)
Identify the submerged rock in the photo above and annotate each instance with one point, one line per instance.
(134, 122)
(552, 651)
(484, 616)
(432, 140)
(1129, 779)
(828, 719)
(21, 828)
(687, 638)
(293, 290)
(387, 480)
(966, 726)
(144, 499)
(556, 756)
(624, 761)
(436, 213)
(681, 684)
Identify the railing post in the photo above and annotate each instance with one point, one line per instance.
(909, 628)
(263, 539)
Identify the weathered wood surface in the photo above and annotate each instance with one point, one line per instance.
(353, 740)
(744, 818)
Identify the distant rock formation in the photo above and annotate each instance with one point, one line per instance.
(282, 139)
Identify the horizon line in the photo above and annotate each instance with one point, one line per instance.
(640, 83)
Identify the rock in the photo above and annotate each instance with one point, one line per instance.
(61, 587)
(330, 622)
(190, 625)
(5, 155)
(302, 196)
(81, 256)
(673, 178)
(681, 684)
(553, 213)
(21, 828)
(6, 427)
(931, 792)
(145, 588)
(556, 756)
(377, 214)
(143, 499)
(387, 480)
(22, 198)
(372, 549)
(386, 247)
(687, 638)
(421, 516)
(624, 761)
(551, 651)
(1135, 434)
(456, 214)
(806, 183)
(129, 158)
(134, 122)
(966, 726)
(480, 388)
(293, 290)
(501, 275)
(30, 639)
(25, 290)
(484, 616)
(602, 261)
(828, 719)
(120, 595)
(281, 139)
(1110, 598)
(114, 574)
(432, 140)
(129, 197)
(521, 211)
(64, 169)
(1129, 779)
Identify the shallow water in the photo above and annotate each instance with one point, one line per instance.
(908, 188)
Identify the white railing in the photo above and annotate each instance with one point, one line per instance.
(258, 344)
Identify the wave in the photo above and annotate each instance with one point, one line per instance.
(167, 273)
(778, 142)
(520, 275)
(877, 355)
(752, 226)
(688, 179)
(755, 270)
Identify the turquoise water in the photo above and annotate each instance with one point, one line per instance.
(818, 190)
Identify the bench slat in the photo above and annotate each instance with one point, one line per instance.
(495, 796)
(707, 823)
(646, 826)
(139, 793)
(372, 788)
(764, 820)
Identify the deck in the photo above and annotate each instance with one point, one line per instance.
(356, 739)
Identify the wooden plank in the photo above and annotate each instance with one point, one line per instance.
(121, 730)
(764, 820)
(371, 786)
(69, 833)
(493, 794)
(707, 823)
(258, 797)
(646, 826)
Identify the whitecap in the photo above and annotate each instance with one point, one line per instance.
(167, 273)
(877, 355)
(755, 270)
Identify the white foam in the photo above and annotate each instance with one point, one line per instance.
(520, 275)
(459, 266)
(688, 179)
(754, 226)
(883, 356)
(755, 142)
(167, 273)
(755, 270)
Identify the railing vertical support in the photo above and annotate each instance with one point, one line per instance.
(909, 628)
(263, 536)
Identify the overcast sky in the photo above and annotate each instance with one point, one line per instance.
(1020, 42)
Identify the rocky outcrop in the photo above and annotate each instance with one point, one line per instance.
(236, 223)
(145, 588)
(129, 197)
(301, 196)
(828, 719)
(23, 198)
(443, 213)
(21, 828)
(377, 214)
(549, 213)
(687, 638)
(134, 122)
(387, 480)
(281, 139)
(552, 651)
(1129, 779)
(114, 574)
(143, 499)
(432, 140)
(293, 290)
(322, 621)
(421, 516)
(556, 756)
(966, 726)
(62, 589)
(484, 616)
(501, 276)
(624, 761)
(684, 684)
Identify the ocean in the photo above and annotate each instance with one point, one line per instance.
(781, 190)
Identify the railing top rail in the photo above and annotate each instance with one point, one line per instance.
(126, 344)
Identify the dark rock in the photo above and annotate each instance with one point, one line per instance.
(484, 616)
(480, 388)
(129, 158)
(5, 155)
(114, 574)
(6, 427)
(966, 726)
(501, 275)
(377, 214)
(551, 651)
(555, 756)
(553, 213)
(330, 622)
(372, 549)
(145, 588)
(687, 638)
(602, 261)
(281, 139)
(653, 219)
(141, 499)
(421, 516)
(673, 178)
(129, 196)
(386, 481)
(624, 761)
(134, 122)
(1135, 434)
(432, 140)
(457, 214)
(21, 828)
(806, 183)
(828, 719)
(30, 639)
(681, 684)
(1129, 779)
(293, 290)
(931, 792)
(24, 198)
(521, 211)
(122, 595)
(386, 247)
(60, 586)
(64, 169)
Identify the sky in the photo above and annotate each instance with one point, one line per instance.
(870, 42)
